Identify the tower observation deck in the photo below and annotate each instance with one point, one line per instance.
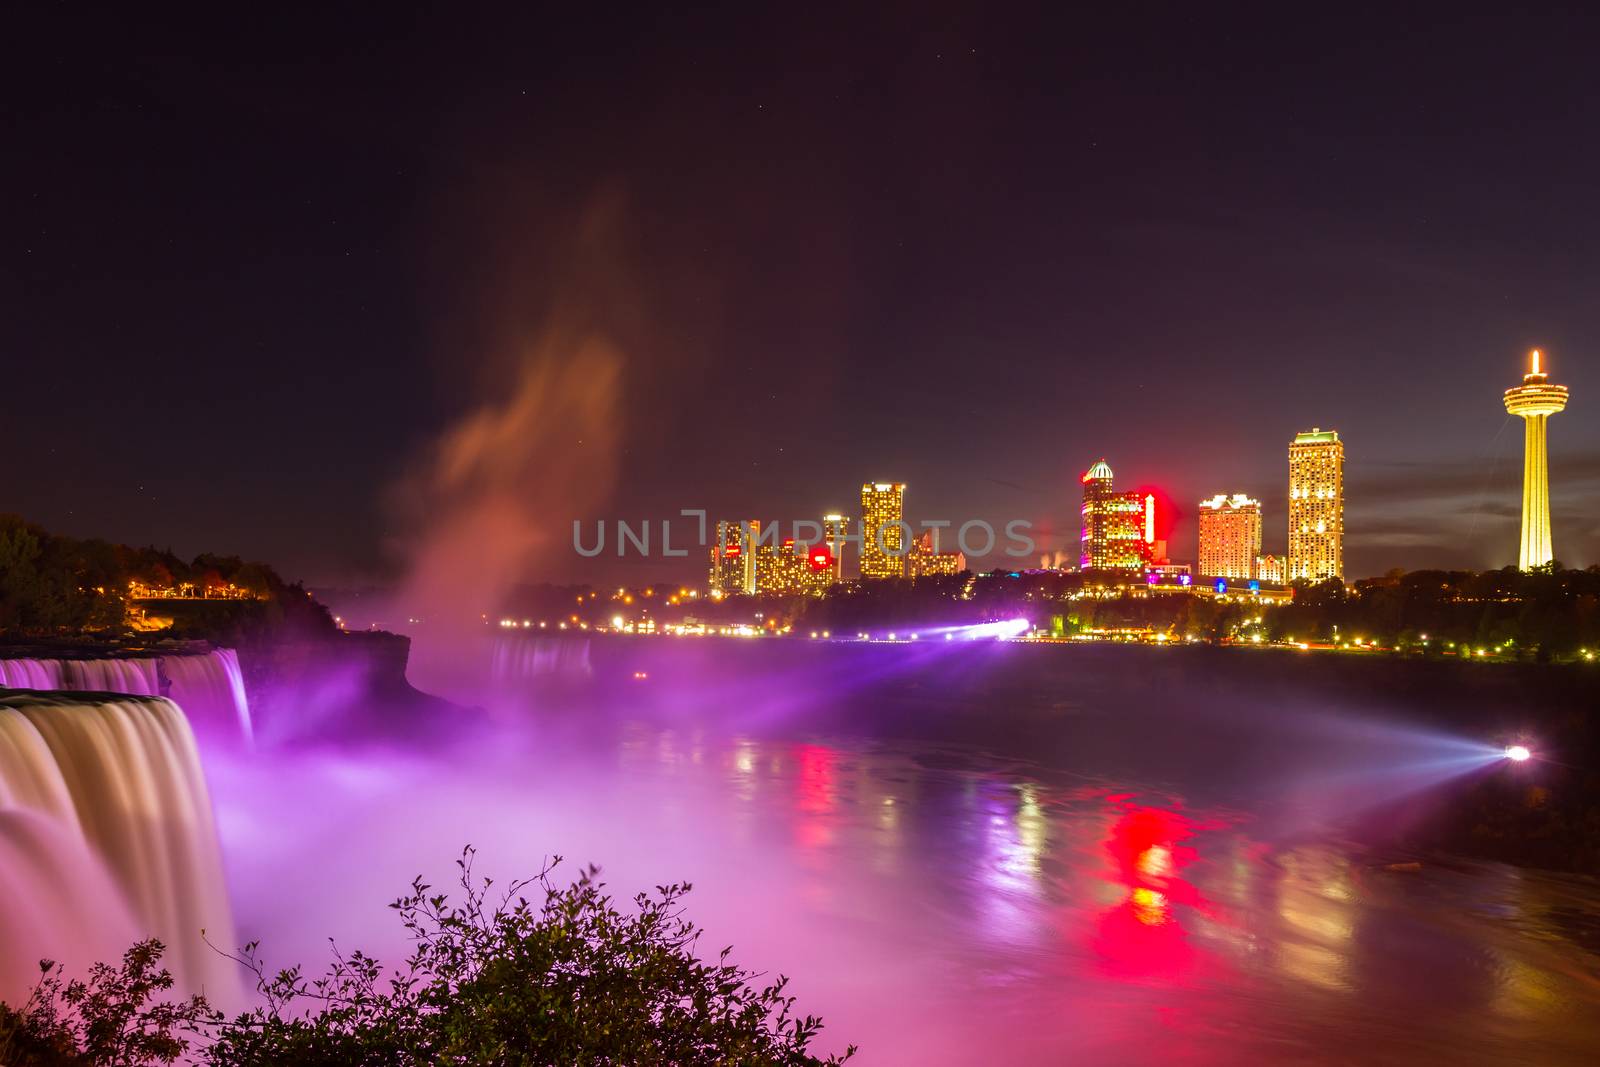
(1534, 401)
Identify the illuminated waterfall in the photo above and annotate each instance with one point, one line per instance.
(30, 674)
(210, 690)
(60, 903)
(139, 677)
(208, 686)
(108, 789)
(30, 780)
(522, 658)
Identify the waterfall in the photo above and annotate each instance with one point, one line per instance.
(520, 658)
(30, 674)
(210, 690)
(139, 677)
(128, 774)
(207, 686)
(60, 904)
(29, 776)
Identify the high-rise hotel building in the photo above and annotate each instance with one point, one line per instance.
(1316, 506)
(733, 558)
(1230, 536)
(883, 530)
(1118, 528)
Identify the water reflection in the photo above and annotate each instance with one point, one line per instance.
(1316, 906)
(941, 906)
(1043, 891)
(1141, 936)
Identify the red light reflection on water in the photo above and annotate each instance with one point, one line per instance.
(816, 794)
(1141, 936)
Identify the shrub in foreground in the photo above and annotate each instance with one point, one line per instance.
(564, 978)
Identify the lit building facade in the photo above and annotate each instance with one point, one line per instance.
(1169, 574)
(733, 562)
(835, 528)
(781, 571)
(1272, 570)
(1118, 528)
(1316, 506)
(777, 570)
(924, 562)
(883, 530)
(1230, 536)
(1534, 401)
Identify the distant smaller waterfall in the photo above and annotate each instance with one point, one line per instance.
(521, 658)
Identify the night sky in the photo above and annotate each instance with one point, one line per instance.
(250, 275)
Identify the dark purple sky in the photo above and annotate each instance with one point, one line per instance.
(249, 272)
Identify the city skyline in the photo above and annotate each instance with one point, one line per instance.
(979, 305)
(1118, 533)
(1118, 529)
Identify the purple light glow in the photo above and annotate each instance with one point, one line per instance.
(1000, 630)
(769, 784)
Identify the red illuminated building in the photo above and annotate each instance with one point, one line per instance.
(1119, 529)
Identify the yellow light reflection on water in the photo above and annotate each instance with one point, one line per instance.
(1150, 907)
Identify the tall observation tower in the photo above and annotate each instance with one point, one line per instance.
(1534, 401)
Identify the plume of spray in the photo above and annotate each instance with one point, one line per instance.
(497, 491)
(501, 487)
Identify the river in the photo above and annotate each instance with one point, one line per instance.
(957, 861)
